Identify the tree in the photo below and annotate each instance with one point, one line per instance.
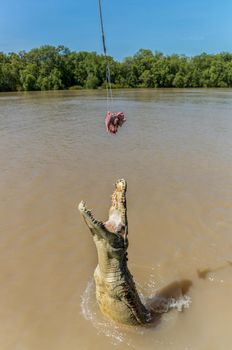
(91, 81)
(50, 68)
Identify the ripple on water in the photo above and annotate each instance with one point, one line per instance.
(121, 333)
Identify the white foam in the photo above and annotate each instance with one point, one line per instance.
(86, 309)
(89, 310)
(118, 334)
(181, 303)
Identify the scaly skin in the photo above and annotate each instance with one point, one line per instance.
(115, 289)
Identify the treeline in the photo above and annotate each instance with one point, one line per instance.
(54, 68)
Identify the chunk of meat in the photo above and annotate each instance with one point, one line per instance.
(113, 120)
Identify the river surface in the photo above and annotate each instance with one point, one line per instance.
(175, 151)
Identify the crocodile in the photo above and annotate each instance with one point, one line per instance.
(116, 292)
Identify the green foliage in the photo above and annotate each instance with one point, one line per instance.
(91, 81)
(27, 80)
(75, 87)
(54, 68)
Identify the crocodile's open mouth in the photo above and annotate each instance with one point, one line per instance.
(117, 221)
(88, 216)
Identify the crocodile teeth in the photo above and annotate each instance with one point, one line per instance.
(81, 206)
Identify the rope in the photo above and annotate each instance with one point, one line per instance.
(109, 94)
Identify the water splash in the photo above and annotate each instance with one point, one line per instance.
(89, 310)
(121, 333)
(164, 305)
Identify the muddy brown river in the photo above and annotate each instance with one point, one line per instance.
(175, 151)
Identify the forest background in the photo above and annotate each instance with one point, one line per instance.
(55, 68)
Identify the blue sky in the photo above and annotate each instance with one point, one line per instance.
(170, 26)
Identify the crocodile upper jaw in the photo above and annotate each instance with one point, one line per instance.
(117, 221)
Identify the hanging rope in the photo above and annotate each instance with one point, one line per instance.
(108, 76)
(113, 119)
